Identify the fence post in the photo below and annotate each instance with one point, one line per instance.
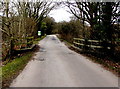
(11, 47)
(85, 45)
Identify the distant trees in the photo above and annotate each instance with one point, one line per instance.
(102, 18)
(50, 23)
(37, 11)
(94, 12)
(86, 12)
(20, 21)
(93, 20)
(69, 30)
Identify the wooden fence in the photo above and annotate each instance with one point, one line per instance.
(24, 44)
(92, 44)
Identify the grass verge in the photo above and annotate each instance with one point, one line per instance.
(38, 39)
(15, 66)
(11, 70)
(106, 61)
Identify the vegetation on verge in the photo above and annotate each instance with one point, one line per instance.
(21, 21)
(91, 21)
(12, 68)
(94, 21)
(38, 39)
(106, 61)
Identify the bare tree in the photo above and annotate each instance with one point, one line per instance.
(21, 20)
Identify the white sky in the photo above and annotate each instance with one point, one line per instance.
(60, 14)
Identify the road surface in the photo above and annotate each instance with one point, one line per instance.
(55, 65)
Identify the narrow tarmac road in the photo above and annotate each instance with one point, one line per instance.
(55, 65)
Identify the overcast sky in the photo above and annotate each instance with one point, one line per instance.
(60, 14)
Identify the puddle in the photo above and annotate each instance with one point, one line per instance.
(70, 53)
(54, 38)
(42, 50)
(61, 46)
(41, 59)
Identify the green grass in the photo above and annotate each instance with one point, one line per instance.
(68, 42)
(109, 65)
(38, 39)
(10, 69)
(65, 41)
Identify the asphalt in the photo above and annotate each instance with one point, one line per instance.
(54, 65)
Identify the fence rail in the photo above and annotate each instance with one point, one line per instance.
(26, 43)
(91, 44)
